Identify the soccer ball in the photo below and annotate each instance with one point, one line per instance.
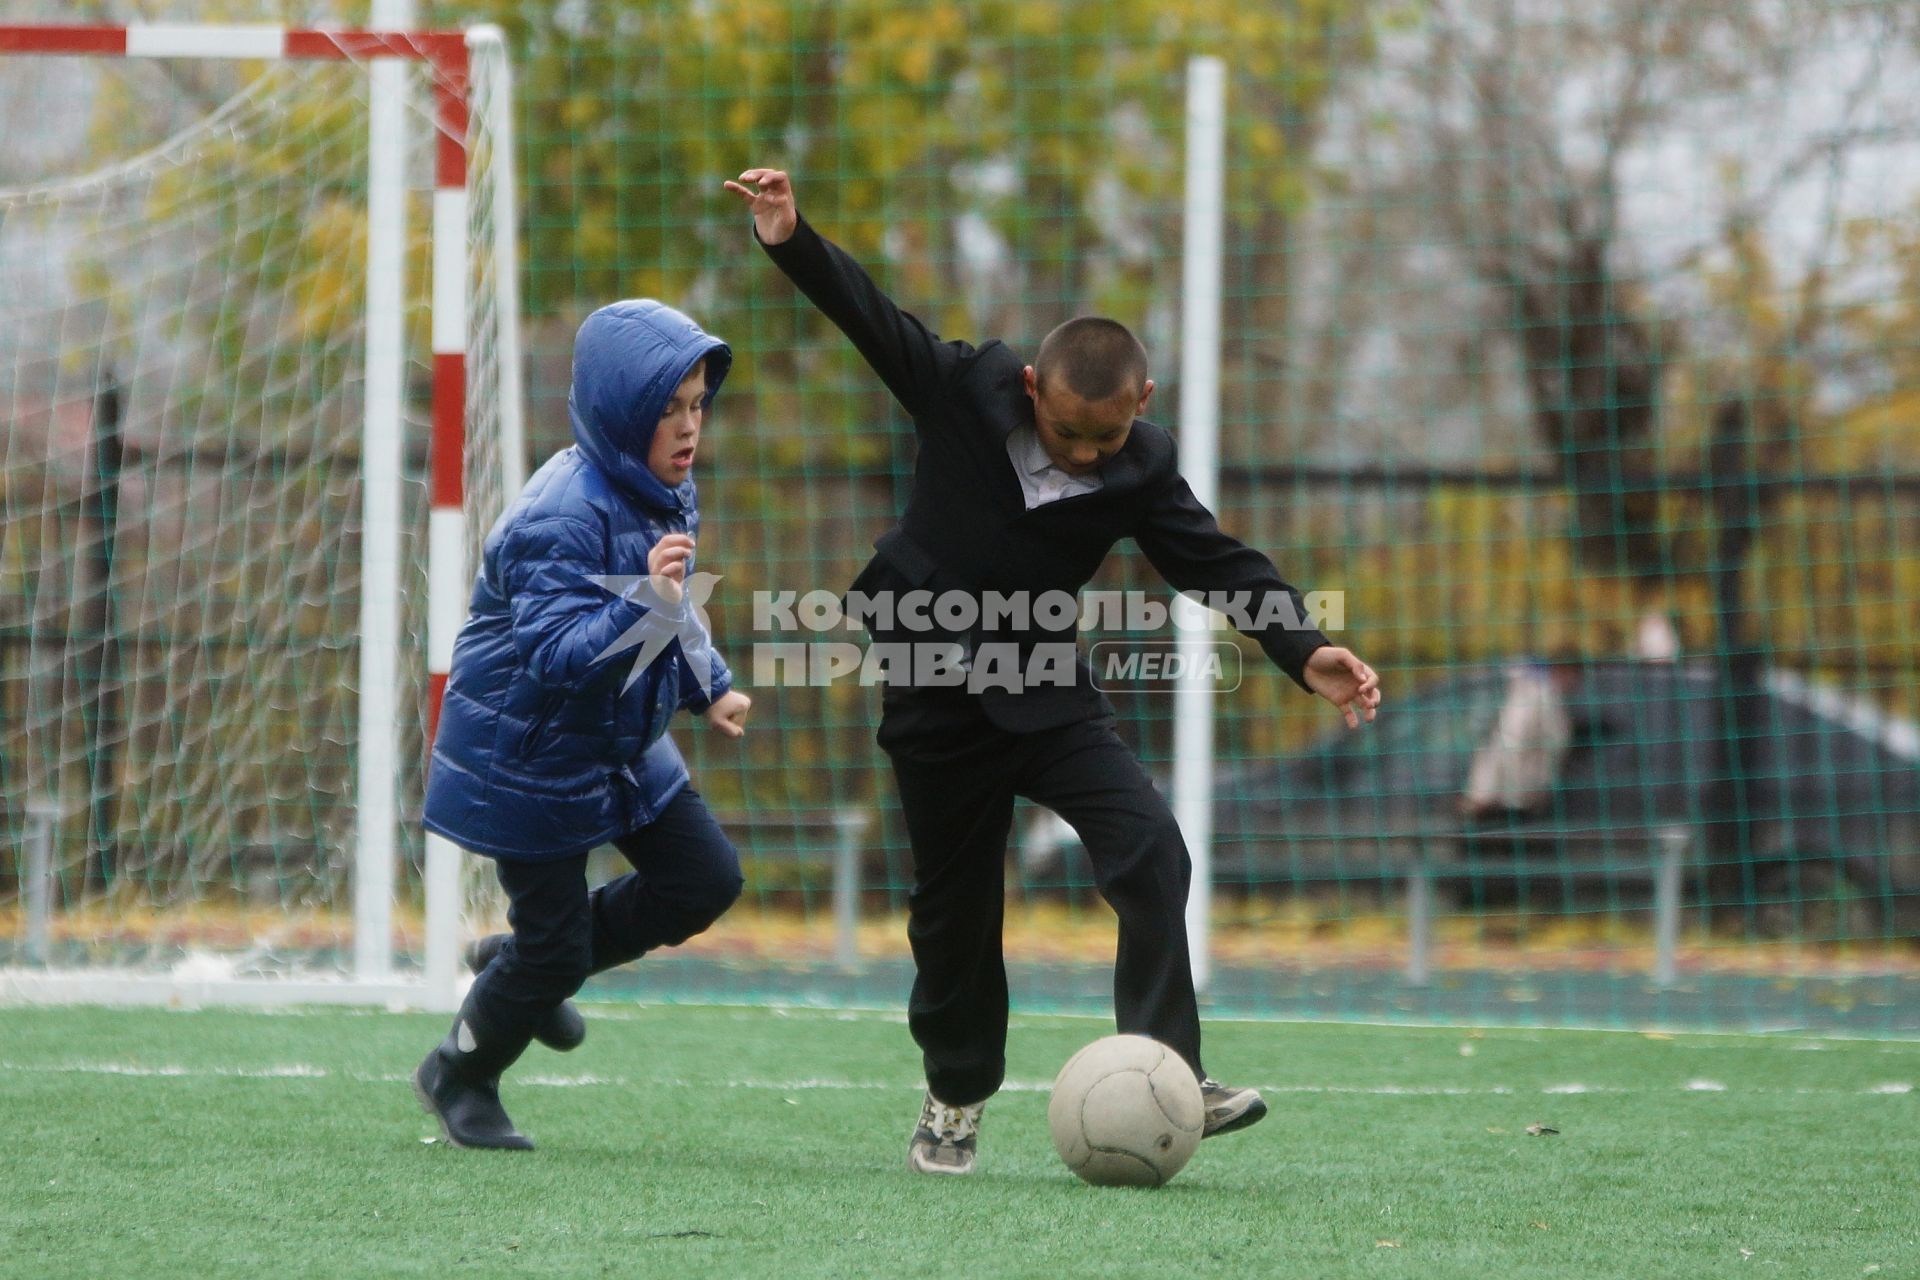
(1126, 1112)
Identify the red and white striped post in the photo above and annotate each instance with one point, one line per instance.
(447, 575)
(445, 52)
(447, 535)
(445, 55)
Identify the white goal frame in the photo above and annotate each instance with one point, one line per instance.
(447, 58)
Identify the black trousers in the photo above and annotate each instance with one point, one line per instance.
(958, 775)
(685, 876)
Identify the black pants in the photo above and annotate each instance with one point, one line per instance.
(958, 776)
(685, 876)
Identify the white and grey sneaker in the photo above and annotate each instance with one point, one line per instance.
(946, 1138)
(1228, 1108)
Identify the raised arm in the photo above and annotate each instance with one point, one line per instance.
(913, 362)
(564, 625)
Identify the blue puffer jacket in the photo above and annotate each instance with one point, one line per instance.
(540, 753)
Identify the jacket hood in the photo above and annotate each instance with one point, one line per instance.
(628, 359)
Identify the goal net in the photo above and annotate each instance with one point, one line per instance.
(259, 402)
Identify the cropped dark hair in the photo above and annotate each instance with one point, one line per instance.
(1097, 358)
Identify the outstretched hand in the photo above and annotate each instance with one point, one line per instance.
(771, 199)
(1348, 683)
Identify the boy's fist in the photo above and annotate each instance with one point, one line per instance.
(728, 714)
(667, 566)
(771, 199)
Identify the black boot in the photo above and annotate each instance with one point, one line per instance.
(458, 1084)
(562, 1029)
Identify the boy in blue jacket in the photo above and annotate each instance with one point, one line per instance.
(580, 645)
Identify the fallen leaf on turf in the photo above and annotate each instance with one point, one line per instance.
(1656, 1035)
(1541, 1225)
(1494, 1128)
(1537, 1129)
(1386, 1244)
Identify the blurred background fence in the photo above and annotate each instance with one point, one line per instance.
(1578, 346)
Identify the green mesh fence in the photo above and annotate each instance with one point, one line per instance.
(1575, 348)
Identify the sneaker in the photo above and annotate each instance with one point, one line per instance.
(945, 1139)
(562, 1029)
(1228, 1108)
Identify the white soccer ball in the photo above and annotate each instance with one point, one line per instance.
(1126, 1112)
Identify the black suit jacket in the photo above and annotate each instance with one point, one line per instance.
(966, 525)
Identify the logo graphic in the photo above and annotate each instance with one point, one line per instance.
(1163, 664)
(663, 622)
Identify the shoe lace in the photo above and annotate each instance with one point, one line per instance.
(950, 1124)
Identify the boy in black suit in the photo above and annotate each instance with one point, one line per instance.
(1027, 476)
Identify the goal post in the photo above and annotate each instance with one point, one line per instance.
(156, 817)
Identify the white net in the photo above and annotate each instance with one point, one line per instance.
(182, 381)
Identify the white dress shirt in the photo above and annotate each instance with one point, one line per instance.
(1040, 480)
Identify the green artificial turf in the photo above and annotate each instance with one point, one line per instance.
(711, 1141)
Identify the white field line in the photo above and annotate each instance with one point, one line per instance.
(1784, 1037)
(292, 1071)
(306, 1071)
